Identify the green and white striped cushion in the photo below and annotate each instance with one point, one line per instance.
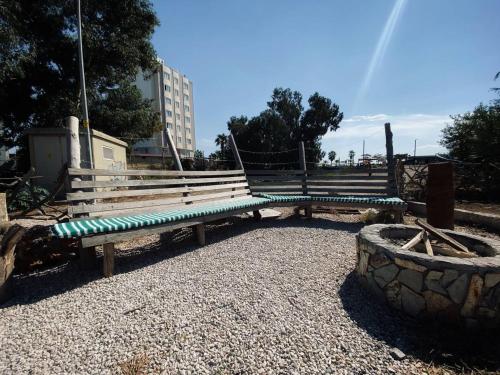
(86, 227)
(280, 198)
(383, 201)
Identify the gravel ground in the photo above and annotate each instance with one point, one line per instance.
(260, 298)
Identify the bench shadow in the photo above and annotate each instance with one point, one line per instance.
(37, 286)
(429, 341)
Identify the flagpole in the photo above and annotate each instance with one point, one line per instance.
(86, 124)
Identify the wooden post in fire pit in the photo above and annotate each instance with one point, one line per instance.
(440, 195)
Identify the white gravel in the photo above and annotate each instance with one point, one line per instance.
(259, 298)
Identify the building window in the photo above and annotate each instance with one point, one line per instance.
(176, 92)
(179, 139)
(166, 76)
(176, 80)
(186, 86)
(107, 153)
(169, 113)
(167, 88)
(177, 116)
(187, 119)
(188, 131)
(186, 108)
(169, 125)
(178, 128)
(177, 104)
(168, 100)
(186, 98)
(188, 141)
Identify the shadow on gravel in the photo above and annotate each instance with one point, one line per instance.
(442, 347)
(45, 284)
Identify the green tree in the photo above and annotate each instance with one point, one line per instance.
(39, 80)
(283, 125)
(351, 156)
(221, 141)
(331, 156)
(474, 136)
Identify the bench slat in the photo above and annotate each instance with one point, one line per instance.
(172, 181)
(116, 206)
(146, 172)
(81, 196)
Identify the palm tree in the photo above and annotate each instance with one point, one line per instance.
(331, 156)
(221, 141)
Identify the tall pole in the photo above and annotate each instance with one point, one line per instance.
(363, 155)
(415, 149)
(82, 85)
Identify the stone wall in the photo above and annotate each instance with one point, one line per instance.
(454, 290)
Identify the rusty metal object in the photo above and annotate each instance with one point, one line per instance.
(440, 195)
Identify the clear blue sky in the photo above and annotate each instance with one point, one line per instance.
(437, 58)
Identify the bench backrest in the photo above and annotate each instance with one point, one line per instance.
(346, 181)
(104, 193)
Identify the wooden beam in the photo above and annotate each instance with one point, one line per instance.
(236, 153)
(108, 263)
(442, 236)
(303, 166)
(151, 172)
(415, 240)
(173, 150)
(87, 256)
(427, 243)
(391, 178)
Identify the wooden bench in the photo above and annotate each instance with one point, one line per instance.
(108, 206)
(355, 187)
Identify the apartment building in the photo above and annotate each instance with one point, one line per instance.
(172, 95)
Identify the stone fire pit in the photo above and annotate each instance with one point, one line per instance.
(454, 290)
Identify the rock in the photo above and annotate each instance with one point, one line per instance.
(432, 282)
(374, 286)
(412, 302)
(485, 312)
(491, 279)
(409, 264)
(363, 262)
(473, 295)
(393, 294)
(412, 279)
(448, 277)
(458, 288)
(378, 260)
(436, 302)
(385, 275)
(397, 354)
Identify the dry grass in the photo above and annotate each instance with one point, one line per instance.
(135, 366)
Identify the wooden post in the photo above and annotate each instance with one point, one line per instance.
(303, 167)
(200, 234)
(391, 175)
(108, 263)
(440, 197)
(173, 150)
(4, 217)
(234, 148)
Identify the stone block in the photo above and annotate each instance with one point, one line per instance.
(473, 296)
(491, 279)
(393, 294)
(410, 265)
(3, 207)
(436, 302)
(432, 282)
(384, 275)
(458, 288)
(363, 262)
(413, 303)
(412, 279)
(379, 260)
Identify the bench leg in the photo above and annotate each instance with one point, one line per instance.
(108, 263)
(308, 212)
(88, 257)
(257, 215)
(200, 234)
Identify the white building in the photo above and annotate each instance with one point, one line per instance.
(172, 95)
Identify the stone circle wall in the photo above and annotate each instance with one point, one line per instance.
(453, 290)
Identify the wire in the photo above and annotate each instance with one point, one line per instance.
(267, 152)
